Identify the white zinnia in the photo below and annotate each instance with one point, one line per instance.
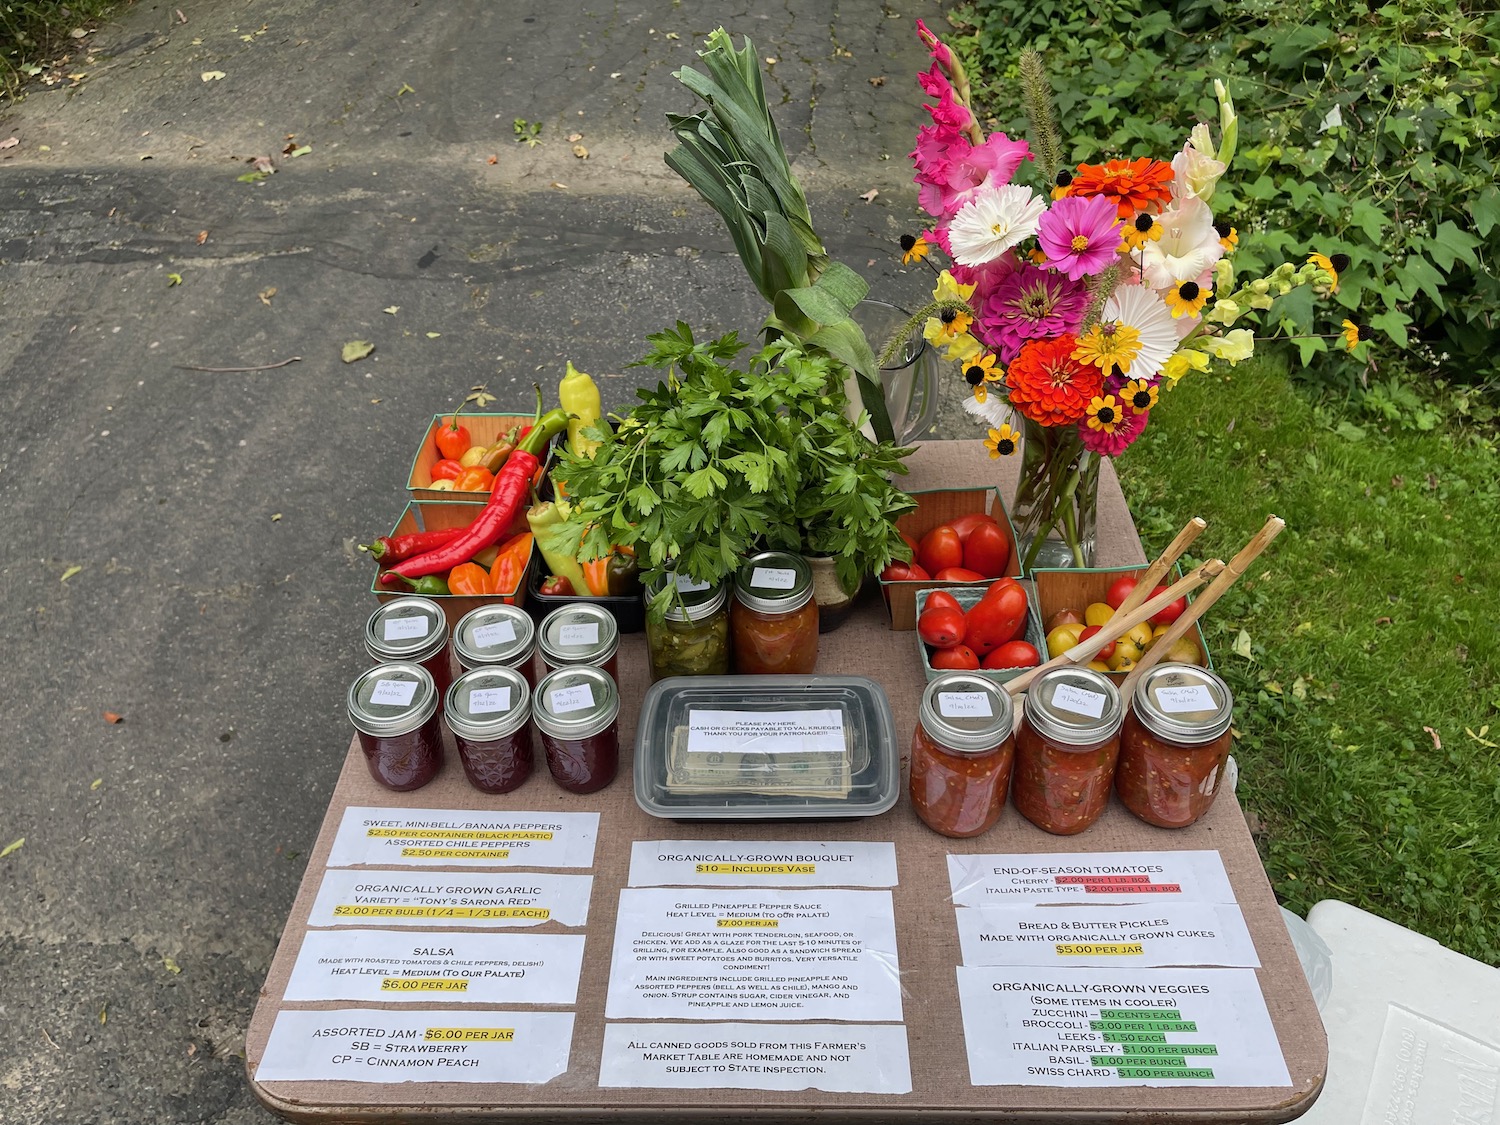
(1138, 307)
(1188, 248)
(992, 222)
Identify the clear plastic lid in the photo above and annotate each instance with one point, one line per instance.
(409, 628)
(494, 634)
(765, 748)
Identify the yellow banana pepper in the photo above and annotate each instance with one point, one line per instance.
(579, 396)
(557, 541)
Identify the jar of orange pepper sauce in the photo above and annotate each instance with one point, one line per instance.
(961, 754)
(1174, 744)
(774, 621)
(1066, 749)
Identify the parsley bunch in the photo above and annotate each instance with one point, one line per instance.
(718, 462)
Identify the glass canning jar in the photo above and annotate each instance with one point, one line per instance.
(491, 636)
(576, 712)
(1066, 749)
(394, 707)
(1174, 744)
(412, 629)
(489, 712)
(693, 638)
(579, 634)
(774, 622)
(961, 754)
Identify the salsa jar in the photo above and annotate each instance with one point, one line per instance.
(1066, 749)
(693, 638)
(412, 629)
(579, 634)
(1174, 744)
(961, 754)
(496, 636)
(394, 708)
(774, 622)
(576, 711)
(489, 712)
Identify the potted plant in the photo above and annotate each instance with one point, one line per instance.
(719, 461)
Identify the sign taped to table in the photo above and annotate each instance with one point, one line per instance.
(470, 900)
(463, 838)
(1092, 877)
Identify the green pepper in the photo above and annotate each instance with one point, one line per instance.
(428, 586)
(558, 541)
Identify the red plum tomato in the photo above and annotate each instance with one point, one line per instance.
(941, 628)
(1013, 654)
(965, 526)
(957, 658)
(1173, 610)
(941, 599)
(939, 549)
(1119, 590)
(959, 574)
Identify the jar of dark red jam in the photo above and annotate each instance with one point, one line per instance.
(774, 622)
(579, 634)
(412, 629)
(961, 754)
(1066, 749)
(576, 712)
(489, 712)
(496, 636)
(394, 707)
(1174, 744)
(692, 639)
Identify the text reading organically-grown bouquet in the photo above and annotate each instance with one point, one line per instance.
(1071, 312)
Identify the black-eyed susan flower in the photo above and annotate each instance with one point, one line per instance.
(1138, 396)
(1003, 442)
(981, 373)
(1354, 333)
(1061, 183)
(1103, 413)
(1142, 229)
(1109, 344)
(1186, 298)
(1330, 266)
(1229, 238)
(914, 248)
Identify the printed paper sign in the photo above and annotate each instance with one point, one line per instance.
(759, 955)
(838, 1058)
(1118, 1027)
(402, 898)
(734, 863)
(437, 968)
(1150, 934)
(1093, 877)
(371, 1045)
(766, 732)
(462, 837)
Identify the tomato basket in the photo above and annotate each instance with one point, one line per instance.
(936, 507)
(968, 597)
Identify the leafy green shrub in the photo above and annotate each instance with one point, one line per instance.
(1364, 129)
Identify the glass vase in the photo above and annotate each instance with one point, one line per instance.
(910, 382)
(1056, 507)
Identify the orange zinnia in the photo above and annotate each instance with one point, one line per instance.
(1132, 185)
(1048, 385)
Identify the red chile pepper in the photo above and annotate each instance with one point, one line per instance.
(506, 498)
(397, 548)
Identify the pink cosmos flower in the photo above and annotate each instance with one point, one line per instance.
(1080, 236)
(939, 49)
(1030, 303)
(1127, 430)
(946, 187)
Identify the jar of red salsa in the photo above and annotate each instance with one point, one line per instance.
(961, 754)
(412, 629)
(579, 634)
(1066, 749)
(394, 707)
(496, 636)
(576, 712)
(774, 622)
(1174, 745)
(489, 712)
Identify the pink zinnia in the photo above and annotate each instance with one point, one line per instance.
(1030, 304)
(1112, 445)
(1080, 236)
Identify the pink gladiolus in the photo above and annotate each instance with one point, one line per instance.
(939, 49)
(947, 186)
(1080, 236)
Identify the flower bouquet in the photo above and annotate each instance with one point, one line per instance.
(1071, 309)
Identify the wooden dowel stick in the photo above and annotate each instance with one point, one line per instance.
(1227, 578)
(1118, 625)
(1160, 567)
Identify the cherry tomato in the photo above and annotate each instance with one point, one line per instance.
(959, 657)
(556, 586)
(967, 525)
(941, 628)
(1119, 590)
(446, 469)
(1013, 654)
(941, 599)
(1104, 653)
(452, 439)
(987, 550)
(959, 574)
(940, 548)
(475, 479)
(1173, 610)
(998, 618)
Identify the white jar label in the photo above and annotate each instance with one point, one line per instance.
(1079, 700)
(773, 578)
(405, 628)
(575, 698)
(393, 693)
(686, 585)
(498, 633)
(965, 705)
(576, 636)
(1189, 697)
(486, 701)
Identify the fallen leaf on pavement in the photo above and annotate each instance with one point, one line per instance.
(104, 1015)
(580, 152)
(300, 150)
(869, 196)
(392, 309)
(265, 295)
(878, 80)
(212, 75)
(72, 570)
(9, 142)
(357, 349)
(493, 160)
(262, 163)
(14, 845)
(433, 335)
(98, 781)
(113, 717)
(559, 187)
(276, 518)
(171, 966)
(192, 1049)
(575, 137)
(202, 237)
(174, 279)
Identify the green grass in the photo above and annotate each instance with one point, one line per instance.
(1376, 614)
(34, 33)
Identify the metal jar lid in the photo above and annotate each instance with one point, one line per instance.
(575, 702)
(1183, 703)
(392, 699)
(1074, 706)
(578, 634)
(967, 712)
(695, 601)
(406, 629)
(487, 703)
(774, 582)
(494, 635)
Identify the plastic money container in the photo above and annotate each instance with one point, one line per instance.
(766, 748)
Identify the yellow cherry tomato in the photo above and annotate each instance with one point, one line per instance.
(1063, 638)
(1098, 613)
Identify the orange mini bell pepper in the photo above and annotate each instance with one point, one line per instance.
(509, 567)
(469, 579)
